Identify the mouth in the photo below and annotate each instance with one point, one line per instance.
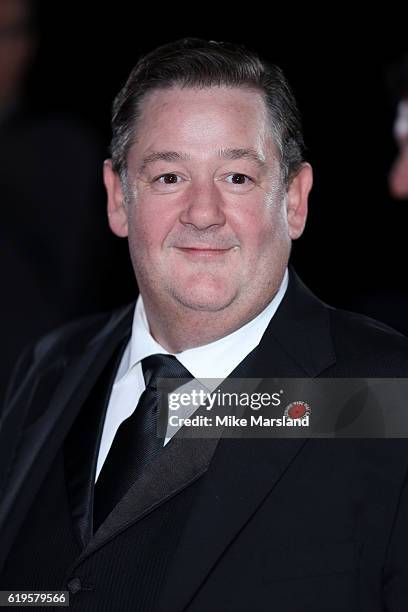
(204, 252)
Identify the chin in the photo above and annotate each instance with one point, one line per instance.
(207, 302)
(203, 293)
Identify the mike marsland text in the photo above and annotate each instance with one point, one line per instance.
(233, 421)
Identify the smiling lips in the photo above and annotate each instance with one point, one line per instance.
(204, 252)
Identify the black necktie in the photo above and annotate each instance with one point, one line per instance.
(137, 441)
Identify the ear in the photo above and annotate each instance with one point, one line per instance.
(296, 200)
(117, 212)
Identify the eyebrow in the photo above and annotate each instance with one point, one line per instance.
(169, 156)
(249, 154)
(230, 154)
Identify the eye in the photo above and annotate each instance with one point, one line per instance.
(238, 179)
(168, 179)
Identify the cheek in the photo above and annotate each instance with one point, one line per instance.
(148, 227)
(262, 228)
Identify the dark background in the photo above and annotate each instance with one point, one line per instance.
(353, 253)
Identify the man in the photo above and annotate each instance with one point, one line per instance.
(208, 183)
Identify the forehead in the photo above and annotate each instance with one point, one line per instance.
(197, 96)
(192, 117)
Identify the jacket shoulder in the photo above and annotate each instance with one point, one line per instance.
(71, 337)
(62, 344)
(367, 342)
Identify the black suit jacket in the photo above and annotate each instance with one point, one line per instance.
(275, 524)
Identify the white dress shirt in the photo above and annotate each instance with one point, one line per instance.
(215, 360)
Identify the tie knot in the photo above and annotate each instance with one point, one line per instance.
(162, 366)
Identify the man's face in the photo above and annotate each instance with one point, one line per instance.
(207, 215)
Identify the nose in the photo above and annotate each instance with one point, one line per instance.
(204, 207)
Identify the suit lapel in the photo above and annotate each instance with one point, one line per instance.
(301, 328)
(244, 472)
(181, 463)
(40, 442)
(81, 448)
